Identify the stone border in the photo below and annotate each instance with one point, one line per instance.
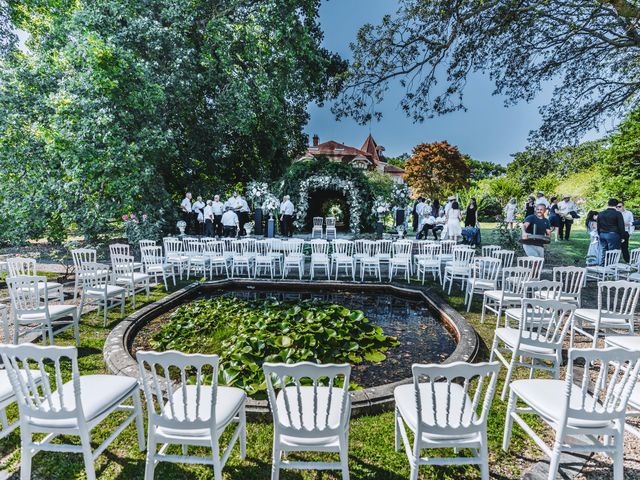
(119, 359)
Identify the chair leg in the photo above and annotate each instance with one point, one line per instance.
(25, 453)
(87, 454)
(275, 462)
(243, 433)
(618, 455)
(137, 409)
(554, 461)
(397, 430)
(217, 467)
(507, 379)
(151, 453)
(344, 457)
(508, 421)
(76, 282)
(104, 320)
(484, 458)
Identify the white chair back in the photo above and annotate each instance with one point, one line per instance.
(83, 255)
(123, 265)
(318, 222)
(194, 247)
(514, 279)
(343, 247)
(383, 247)
(330, 222)
(430, 250)
(618, 299)
(26, 295)
(544, 289)
(319, 247)
(368, 248)
(544, 322)
(534, 264)
(147, 243)
(634, 258)
(317, 409)
(486, 269)
(172, 246)
(264, 248)
(358, 246)
(605, 379)
(188, 383)
(119, 249)
(506, 256)
(402, 249)
(215, 248)
(487, 250)
(611, 257)
(45, 399)
(572, 279)
(462, 257)
(95, 276)
(293, 246)
(151, 256)
(21, 266)
(447, 246)
(453, 399)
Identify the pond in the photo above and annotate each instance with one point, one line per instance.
(422, 337)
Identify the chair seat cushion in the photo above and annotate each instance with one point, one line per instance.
(485, 284)
(405, 399)
(508, 297)
(510, 337)
(6, 389)
(634, 277)
(228, 402)
(547, 396)
(305, 402)
(135, 277)
(55, 312)
(591, 315)
(111, 290)
(98, 394)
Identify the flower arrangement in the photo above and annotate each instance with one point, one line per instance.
(270, 203)
(380, 206)
(400, 196)
(257, 192)
(141, 227)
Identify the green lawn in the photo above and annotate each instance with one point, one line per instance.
(371, 450)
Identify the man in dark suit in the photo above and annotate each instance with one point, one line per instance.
(610, 227)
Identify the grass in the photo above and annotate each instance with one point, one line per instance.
(371, 449)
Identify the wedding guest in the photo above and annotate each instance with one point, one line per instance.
(448, 205)
(610, 228)
(230, 222)
(198, 212)
(471, 215)
(542, 200)
(416, 217)
(208, 219)
(243, 215)
(452, 227)
(286, 216)
(627, 216)
(594, 254)
(218, 210)
(566, 210)
(554, 218)
(530, 207)
(510, 212)
(539, 226)
(186, 212)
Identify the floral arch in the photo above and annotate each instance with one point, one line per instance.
(309, 176)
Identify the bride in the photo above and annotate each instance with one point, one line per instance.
(453, 227)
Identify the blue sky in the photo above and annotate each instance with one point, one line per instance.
(486, 131)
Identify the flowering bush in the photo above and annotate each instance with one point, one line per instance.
(270, 203)
(141, 227)
(257, 192)
(400, 196)
(380, 206)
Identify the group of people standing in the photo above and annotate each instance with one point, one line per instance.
(228, 219)
(610, 229)
(442, 220)
(562, 213)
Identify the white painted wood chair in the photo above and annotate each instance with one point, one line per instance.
(27, 267)
(488, 250)
(538, 337)
(484, 277)
(509, 295)
(197, 260)
(535, 264)
(174, 254)
(330, 232)
(31, 310)
(447, 250)
(383, 250)
(146, 243)
(421, 247)
(317, 230)
(342, 258)
(369, 263)
(401, 260)
(359, 247)
(124, 273)
(214, 251)
(119, 249)
(617, 301)
(81, 256)
(155, 265)
(446, 406)
(626, 269)
(541, 289)
(276, 252)
(590, 403)
(308, 414)
(459, 268)
(429, 261)
(97, 290)
(506, 256)
(293, 257)
(573, 281)
(264, 261)
(186, 407)
(608, 270)
(73, 408)
(319, 258)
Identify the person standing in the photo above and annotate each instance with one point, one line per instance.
(416, 217)
(530, 207)
(627, 216)
(452, 227)
(230, 222)
(594, 254)
(471, 215)
(208, 219)
(243, 216)
(566, 211)
(198, 213)
(534, 228)
(218, 209)
(286, 216)
(510, 212)
(542, 200)
(554, 218)
(610, 228)
(186, 211)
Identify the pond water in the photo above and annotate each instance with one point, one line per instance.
(423, 337)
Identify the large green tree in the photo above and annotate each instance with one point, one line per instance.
(122, 105)
(587, 48)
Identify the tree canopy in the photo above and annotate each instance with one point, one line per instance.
(588, 48)
(121, 105)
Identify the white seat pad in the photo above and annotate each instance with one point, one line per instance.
(508, 298)
(6, 390)
(591, 315)
(55, 311)
(228, 402)
(98, 393)
(547, 397)
(307, 402)
(136, 277)
(510, 337)
(111, 290)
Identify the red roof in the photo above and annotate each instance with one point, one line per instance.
(336, 149)
(388, 168)
(371, 147)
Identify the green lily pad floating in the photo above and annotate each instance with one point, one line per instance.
(245, 334)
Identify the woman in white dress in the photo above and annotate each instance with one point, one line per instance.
(453, 226)
(594, 254)
(510, 212)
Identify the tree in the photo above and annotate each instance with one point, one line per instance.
(397, 161)
(436, 170)
(588, 48)
(120, 106)
(483, 169)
